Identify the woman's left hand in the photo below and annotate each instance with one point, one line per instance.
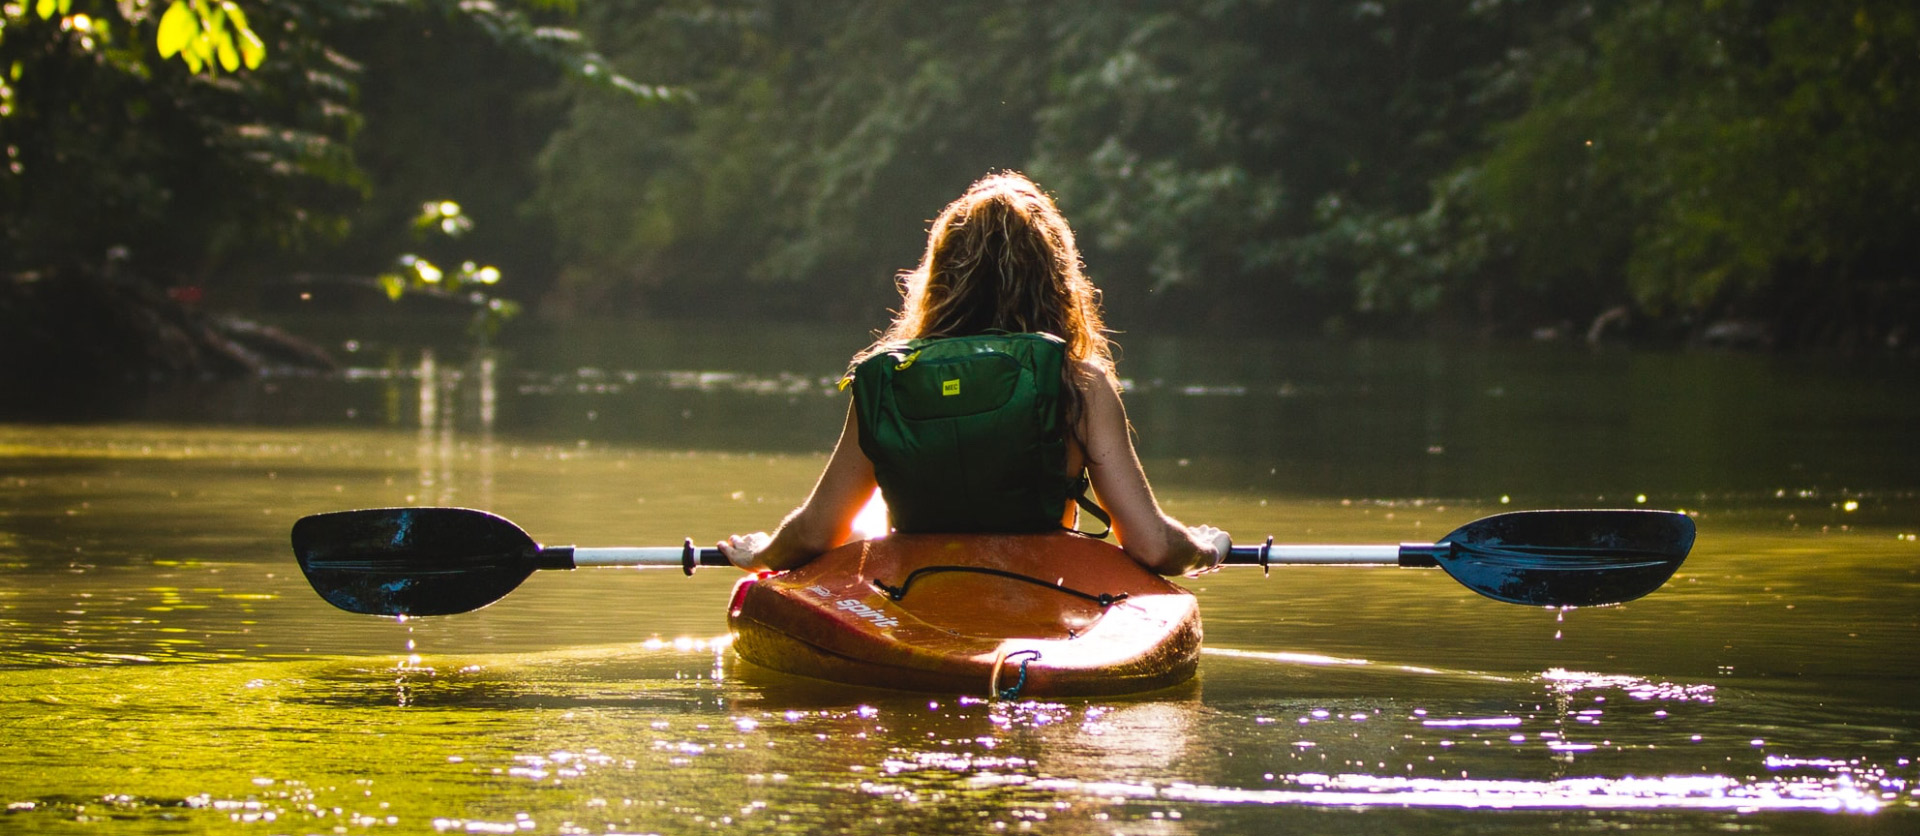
(742, 549)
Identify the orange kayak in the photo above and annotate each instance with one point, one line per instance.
(1030, 615)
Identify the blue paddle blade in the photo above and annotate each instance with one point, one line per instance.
(1567, 558)
(413, 561)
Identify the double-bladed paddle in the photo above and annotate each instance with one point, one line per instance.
(438, 561)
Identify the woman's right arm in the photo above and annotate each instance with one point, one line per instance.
(1148, 534)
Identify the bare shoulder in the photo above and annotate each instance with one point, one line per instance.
(1093, 375)
(1104, 417)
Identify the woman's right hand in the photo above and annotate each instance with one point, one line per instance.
(742, 549)
(1212, 545)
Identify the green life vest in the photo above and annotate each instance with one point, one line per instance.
(966, 433)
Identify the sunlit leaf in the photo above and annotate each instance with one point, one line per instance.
(45, 8)
(200, 47)
(223, 47)
(177, 27)
(235, 16)
(394, 285)
(252, 50)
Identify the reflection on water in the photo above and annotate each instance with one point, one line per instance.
(662, 739)
(1682, 792)
(164, 668)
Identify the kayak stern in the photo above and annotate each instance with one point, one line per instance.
(1020, 615)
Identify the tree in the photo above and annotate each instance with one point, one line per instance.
(184, 171)
(129, 169)
(1739, 158)
(1193, 145)
(116, 154)
(819, 139)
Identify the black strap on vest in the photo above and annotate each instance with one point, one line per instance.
(1092, 508)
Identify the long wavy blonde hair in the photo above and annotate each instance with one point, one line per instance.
(1002, 257)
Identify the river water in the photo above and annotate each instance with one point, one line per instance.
(164, 668)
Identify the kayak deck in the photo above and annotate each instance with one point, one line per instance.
(974, 614)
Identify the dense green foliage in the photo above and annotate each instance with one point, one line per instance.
(1193, 145)
(1249, 162)
(122, 157)
(116, 154)
(153, 162)
(1660, 165)
(1738, 157)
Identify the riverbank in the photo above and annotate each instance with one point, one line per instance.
(74, 342)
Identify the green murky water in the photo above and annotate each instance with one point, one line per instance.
(165, 669)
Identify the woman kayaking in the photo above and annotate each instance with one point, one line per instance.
(990, 403)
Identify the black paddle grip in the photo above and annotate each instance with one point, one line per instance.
(1423, 555)
(554, 557)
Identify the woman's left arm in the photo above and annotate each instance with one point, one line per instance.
(824, 521)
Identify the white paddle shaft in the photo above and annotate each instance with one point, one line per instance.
(1335, 555)
(637, 556)
(673, 556)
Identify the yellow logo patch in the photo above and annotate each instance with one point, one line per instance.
(949, 387)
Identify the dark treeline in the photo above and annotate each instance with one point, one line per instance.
(138, 194)
(1663, 169)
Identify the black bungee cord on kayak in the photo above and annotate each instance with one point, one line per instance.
(1104, 599)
